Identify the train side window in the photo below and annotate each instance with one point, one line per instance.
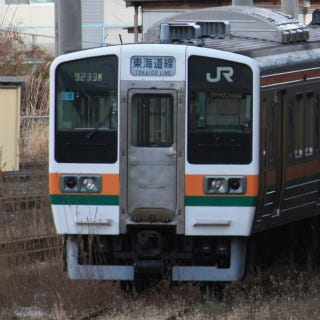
(290, 128)
(317, 123)
(271, 131)
(298, 125)
(303, 125)
(309, 124)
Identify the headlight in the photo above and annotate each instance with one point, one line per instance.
(90, 184)
(69, 184)
(80, 183)
(221, 185)
(215, 185)
(237, 185)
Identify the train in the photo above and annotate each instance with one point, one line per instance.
(167, 156)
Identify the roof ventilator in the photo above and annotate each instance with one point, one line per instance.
(180, 31)
(286, 29)
(294, 35)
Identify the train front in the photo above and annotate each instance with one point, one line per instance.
(154, 161)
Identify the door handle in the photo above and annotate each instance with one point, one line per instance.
(172, 154)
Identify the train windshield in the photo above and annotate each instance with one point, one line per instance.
(87, 110)
(219, 111)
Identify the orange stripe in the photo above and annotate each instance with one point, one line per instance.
(290, 77)
(294, 172)
(194, 185)
(271, 178)
(303, 170)
(110, 183)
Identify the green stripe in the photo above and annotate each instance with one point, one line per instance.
(76, 199)
(198, 201)
(221, 201)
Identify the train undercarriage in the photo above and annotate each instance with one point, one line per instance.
(157, 252)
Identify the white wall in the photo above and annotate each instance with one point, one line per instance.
(36, 21)
(118, 17)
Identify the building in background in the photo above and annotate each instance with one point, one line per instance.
(103, 21)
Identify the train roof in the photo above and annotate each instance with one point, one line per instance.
(272, 38)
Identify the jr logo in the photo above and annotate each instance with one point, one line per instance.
(226, 72)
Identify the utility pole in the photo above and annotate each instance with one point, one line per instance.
(68, 29)
(136, 31)
(290, 7)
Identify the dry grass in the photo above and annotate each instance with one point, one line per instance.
(12, 53)
(280, 298)
(34, 141)
(43, 286)
(46, 289)
(34, 124)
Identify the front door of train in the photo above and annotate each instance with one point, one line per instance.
(152, 155)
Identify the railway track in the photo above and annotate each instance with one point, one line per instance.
(21, 190)
(21, 175)
(22, 194)
(31, 249)
(23, 201)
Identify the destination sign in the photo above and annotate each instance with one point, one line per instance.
(152, 66)
(88, 76)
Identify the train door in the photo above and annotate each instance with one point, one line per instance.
(152, 155)
(274, 150)
(281, 122)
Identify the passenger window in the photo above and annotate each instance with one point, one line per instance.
(310, 124)
(272, 130)
(298, 127)
(302, 116)
(317, 123)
